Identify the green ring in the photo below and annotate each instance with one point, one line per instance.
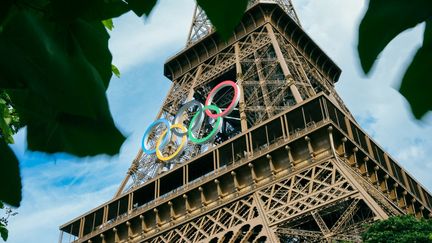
(215, 128)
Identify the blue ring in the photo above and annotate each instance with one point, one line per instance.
(147, 134)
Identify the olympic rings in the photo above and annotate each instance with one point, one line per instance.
(179, 149)
(147, 134)
(215, 130)
(178, 130)
(233, 103)
(185, 107)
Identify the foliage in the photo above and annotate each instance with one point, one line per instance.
(4, 233)
(9, 119)
(384, 21)
(399, 229)
(55, 66)
(224, 14)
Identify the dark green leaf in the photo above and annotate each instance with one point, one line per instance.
(108, 23)
(52, 131)
(5, 6)
(141, 7)
(115, 70)
(64, 70)
(5, 130)
(383, 21)
(3, 233)
(96, 10)
(1, 205)
(224, 14)
(417, 83)
(10, 179)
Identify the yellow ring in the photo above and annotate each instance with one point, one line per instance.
(179, 149)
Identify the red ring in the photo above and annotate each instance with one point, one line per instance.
(231, 105)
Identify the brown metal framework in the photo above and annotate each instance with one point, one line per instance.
(202, 27)
(308, 174)
(290, 165)
(274, 62)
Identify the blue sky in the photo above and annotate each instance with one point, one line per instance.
(60, 187)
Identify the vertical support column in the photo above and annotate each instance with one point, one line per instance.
(116, 236)
(271, 165)
(369, 146)
(348, 125)
(216, 161)
(283, 64)
(283, 126)
(389, 165)
(202, 195)
(187, 205)
(157, 182)
(384, 185)
(236, 183)
(290, 157)
(356, 164)
(81, 228)
(129, 229)
(344, 152)
(218, 188)
(130, 202)
(172, 212)
(242, 104)
(103, 238)
(105, 214)
(310, 148)
(143, 224)
(286, 127)
(158, 219)
(253, 174)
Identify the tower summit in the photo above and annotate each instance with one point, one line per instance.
(253, 144)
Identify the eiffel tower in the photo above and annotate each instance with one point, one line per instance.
(289, 164)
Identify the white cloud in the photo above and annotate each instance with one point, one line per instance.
(137, 41)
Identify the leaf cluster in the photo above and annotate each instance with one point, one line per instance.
(55, 68)
(399, 229)
(4, 233)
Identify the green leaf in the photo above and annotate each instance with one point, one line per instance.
(224, 14)
(52, 131)
(1, 205)
(4, 233)
(64, 71)
(417, 82)
(404, 228)
(95, 10)
(5, 130)
(108, 23)
(115, 70)
(10, 179)
(383, 21)
(5, 7)
(141, 7)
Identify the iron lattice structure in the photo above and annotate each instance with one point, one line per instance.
(202, 27)
(290, 164)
